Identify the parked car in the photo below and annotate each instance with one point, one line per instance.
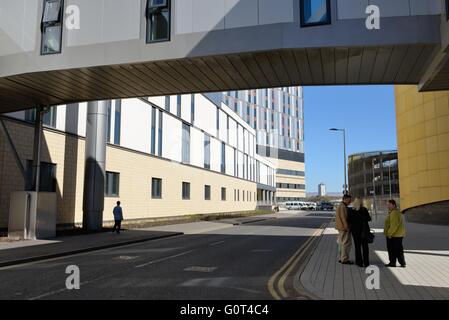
(326, 206)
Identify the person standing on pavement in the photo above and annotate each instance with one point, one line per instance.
(394, 230)
(359, 219)
(118, 217)
(342, 225)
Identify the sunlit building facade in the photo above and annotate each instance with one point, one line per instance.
(277, 115)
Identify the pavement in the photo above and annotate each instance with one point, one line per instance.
(210, 260)
(426, 276)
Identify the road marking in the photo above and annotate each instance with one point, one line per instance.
(201, 269)
(126, 257)
(164, 259)
(216, 243)
(281, 283)
(286, 269)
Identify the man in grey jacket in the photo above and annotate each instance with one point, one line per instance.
(118, 217)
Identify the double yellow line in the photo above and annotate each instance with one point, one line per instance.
(276, 284)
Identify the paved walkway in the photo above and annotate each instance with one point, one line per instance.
(425, 278)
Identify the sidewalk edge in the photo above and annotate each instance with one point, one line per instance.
(297, 283)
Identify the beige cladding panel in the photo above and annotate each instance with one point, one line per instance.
(290, 179)
(135, 188)
(288, 165)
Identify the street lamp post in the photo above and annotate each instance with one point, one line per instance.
(374, 187)
(344, 154)
(389, 177)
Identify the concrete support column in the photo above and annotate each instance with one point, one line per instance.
(38, 132)
(95, 167)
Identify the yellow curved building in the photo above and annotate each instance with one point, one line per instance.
(423, 152)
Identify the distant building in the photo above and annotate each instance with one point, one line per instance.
(277, 116)
(383, 165)
(322, 190)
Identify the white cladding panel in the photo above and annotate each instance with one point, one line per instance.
(241, 13)
(105, 21)
(136, 125)
(355, 9)
(173, 105)
(229, 160)
(82, 117)
(207, 15)
(223, 126)
(205, 115)
(263, 174)
(158, 101)
(233, 132)
(172, 138)
(196, 147)
(215, 154)
(19, 25)
(278, 11)
(61, 117)
(247, 145)
(240, 138)
(186, 100)
(240, 164)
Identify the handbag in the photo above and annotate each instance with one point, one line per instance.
(368, 235)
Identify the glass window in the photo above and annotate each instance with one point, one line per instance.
(47, 181)
(223, 194)
(206, 192)
(153, 131)
(156, 188)
(112, 184)
(223, 157)
(118, 121)
(51, 40)
(52, 11)
(51, 26)
(186, 191)
(315, 12)
(158, 20)
(160, 134)
(192, 109)
(206, 151)
(49, 117)
(178, 105)
(167, 103)
(185, 143)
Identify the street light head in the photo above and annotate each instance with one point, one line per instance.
(333, 129)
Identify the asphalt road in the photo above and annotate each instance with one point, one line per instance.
(233, 262)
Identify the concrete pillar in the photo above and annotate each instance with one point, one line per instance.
(37, 146)
(95, 167)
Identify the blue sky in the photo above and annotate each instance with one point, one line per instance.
(367, 113)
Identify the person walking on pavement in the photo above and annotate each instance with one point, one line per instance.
(359, 219)
(118, 217)
(342, 225)
(394, 230)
